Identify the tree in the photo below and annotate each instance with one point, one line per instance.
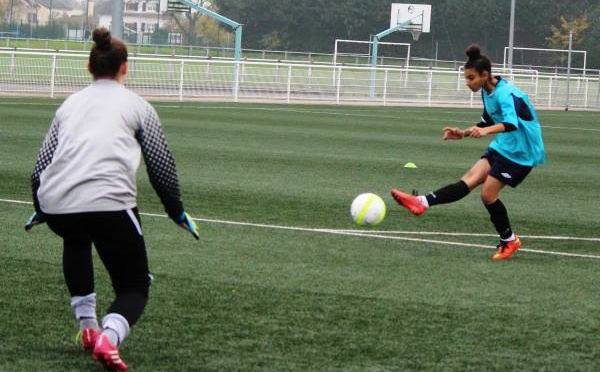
(4, 9)
(591, 37)
(212, 33)
(187, 22)
(559, 37)
(313, 25)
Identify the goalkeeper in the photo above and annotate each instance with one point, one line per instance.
(516, 149)
(84, 187)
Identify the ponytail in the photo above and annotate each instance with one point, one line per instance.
(107, 54)
(477, 60)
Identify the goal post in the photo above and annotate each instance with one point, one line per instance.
(365, 55)
(337, 53)
(547, 51)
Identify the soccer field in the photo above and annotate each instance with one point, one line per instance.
(282, 280)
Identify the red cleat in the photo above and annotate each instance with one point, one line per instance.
(410, 202)
(108, 354)
(507, 249)
(88, 338)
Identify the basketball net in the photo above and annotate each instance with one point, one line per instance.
(415, 34)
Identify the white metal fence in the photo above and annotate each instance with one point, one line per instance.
(54, 74)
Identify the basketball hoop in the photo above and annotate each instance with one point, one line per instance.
(415, 17)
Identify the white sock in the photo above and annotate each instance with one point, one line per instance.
(423, 200)
(115, 327)
(84, 308)
(510, 239)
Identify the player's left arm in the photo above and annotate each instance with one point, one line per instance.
(160, 165)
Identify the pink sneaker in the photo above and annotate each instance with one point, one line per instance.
(410, 202)
(88, 338)
(108, 354)
(505, 250)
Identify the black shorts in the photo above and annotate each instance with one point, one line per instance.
(504, 170)
(119, 242)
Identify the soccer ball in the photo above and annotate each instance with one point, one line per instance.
(367, 210)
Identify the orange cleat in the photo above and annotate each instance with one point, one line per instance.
(507, 249)
(88, 338)
(410, 202)
(108, 354)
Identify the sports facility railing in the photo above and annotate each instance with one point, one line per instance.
(52, 74)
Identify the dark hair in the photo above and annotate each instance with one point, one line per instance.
(107, 54)
(477, 60)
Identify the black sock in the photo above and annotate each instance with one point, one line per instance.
(499, 217)
(448, 194)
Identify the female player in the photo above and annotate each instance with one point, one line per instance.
(516, 149)
(84, 187)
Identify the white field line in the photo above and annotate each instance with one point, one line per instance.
(371, 116)
(355, 233)
(399, 232)
(322, 112)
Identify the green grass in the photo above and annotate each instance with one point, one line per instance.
(258, 299)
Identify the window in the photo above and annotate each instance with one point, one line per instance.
(132, 6)
(174, 38)
(143, 7)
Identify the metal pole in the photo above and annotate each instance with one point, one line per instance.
(238, 44)
(87, 13)
(569, 70)
(374, 51)
(117, 19)
(158, 18)
(511, 34)
(10, 15)
(31, 20)
(335, 50)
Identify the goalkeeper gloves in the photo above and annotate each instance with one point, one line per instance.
(35, 219)
(186, 222)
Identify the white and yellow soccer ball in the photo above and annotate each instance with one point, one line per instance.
(368, 210)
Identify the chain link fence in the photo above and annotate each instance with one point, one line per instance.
(182, 79)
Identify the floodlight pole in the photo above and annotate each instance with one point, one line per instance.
(511, 35)
(375, 50)
(117, 19)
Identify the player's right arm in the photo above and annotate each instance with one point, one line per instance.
(44, 159)
(451, 133)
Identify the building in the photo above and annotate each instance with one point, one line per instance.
(41, 12)
(140, 17)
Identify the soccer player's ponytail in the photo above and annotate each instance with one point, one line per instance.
(107, 54)
(477, 60)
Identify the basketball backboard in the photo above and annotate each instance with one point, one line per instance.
(418, 14)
